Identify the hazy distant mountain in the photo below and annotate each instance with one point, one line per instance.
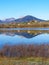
(9, 20)
(23, 19)
(1, 21)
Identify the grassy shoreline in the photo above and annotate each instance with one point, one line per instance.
(24, 25)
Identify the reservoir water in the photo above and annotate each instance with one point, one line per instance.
(24, 28)
(39, 39)
(22, 39)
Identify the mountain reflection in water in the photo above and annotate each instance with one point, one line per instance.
(17, 39)
(12, 38)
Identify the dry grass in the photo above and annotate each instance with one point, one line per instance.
(23, 25)
(26, 61)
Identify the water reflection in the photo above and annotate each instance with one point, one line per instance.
(21, 36)
(18, 39)
(28, 30)
(24, 28)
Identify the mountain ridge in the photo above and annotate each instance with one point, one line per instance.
(27, 18)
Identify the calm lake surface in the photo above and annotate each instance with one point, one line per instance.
(24, 28)
(21, 39)
(11, 40)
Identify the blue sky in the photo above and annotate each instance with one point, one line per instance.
(20, 8)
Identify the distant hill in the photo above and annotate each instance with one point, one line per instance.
(10, 19)
(24, 19)
(28, 18)
(1, 21)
